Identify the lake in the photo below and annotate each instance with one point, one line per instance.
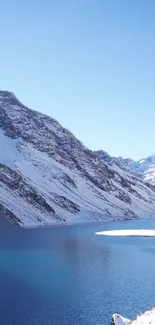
(68, 275)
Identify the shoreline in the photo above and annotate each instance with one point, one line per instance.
(5, 223)
(4, 219)
(85, 223)
(147, 318)
(128, 233)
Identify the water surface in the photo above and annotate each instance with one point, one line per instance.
(67, 275)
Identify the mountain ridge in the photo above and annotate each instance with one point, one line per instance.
(47, 176)
(143, 168)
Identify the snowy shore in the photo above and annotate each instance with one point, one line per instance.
(128, 232)
(148, 318)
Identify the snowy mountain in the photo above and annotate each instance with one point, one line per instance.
(47, 176)
(147, 168)
(127, 165)
(144, 168)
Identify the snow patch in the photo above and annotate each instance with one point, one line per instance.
(148, 318)
(128, 233)
(8, 150)
(120, 320)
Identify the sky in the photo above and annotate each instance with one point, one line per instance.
(90, 64)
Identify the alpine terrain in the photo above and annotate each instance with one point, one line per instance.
(47, 176)
(144, 168)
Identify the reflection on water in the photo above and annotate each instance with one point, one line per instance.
(67, 275)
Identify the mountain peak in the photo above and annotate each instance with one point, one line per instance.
(6, 93)
(9, 100)
(148, 159)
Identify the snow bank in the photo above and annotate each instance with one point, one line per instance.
(120, 320)
(148, 318)
(128, 232)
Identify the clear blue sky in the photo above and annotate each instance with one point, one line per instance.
(89, 64)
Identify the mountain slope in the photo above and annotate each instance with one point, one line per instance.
(144, 168)
(47, 176)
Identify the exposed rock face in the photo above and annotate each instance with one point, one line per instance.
(47, 176)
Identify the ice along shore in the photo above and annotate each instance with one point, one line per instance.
(128, 233)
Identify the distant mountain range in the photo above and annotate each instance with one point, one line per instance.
(47, 176)
(144, 168)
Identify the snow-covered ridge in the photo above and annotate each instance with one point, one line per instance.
(148, 318)
(144, 168)
(47, 176)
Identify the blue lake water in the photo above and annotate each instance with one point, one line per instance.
(67, 275)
